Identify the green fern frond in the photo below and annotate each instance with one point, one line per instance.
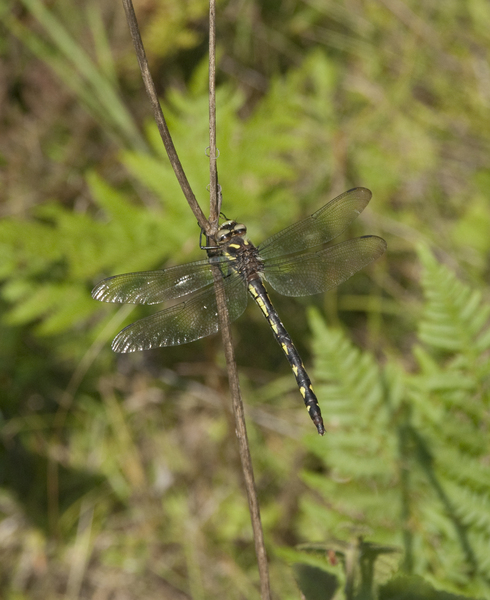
(351, 392)
(253, 164)
(346, 373)
(479, 542)
(471, 507)
(475, 475)
(454, 317)
(409, 451)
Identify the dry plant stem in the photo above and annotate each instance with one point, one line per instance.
(224, 323)
(160, 119)
(241, 433)
(213, 169)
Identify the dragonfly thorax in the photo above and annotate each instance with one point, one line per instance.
(243, 255)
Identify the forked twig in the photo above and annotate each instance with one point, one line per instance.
(209, 228)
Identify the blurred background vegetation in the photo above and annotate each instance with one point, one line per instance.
(119, 475)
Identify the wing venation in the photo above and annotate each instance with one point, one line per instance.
(316, 272)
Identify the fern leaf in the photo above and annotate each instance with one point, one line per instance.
(454, 315)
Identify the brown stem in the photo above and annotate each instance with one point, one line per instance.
(214, 207)
(241, 433)
(224, 323)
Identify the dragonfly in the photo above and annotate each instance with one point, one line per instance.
(293, 262)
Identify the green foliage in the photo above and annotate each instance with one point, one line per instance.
(172, 27)
(132, 480)
(356, 568)
(454, 316)
(93, 81)
(406, 452)
(49, 261)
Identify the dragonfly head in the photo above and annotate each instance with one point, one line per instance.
(229, 230)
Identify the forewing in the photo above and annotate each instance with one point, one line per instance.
(319, 228)
(188, 321)
(153, 287)
(317, 272)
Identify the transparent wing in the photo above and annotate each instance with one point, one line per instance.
(317, 272)
(153, 287)
(188, 321)
(319, 228)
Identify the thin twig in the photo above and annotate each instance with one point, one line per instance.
(214, 207)
(224, 323)
(160, 119)
(241, 433)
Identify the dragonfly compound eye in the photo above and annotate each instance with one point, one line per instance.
(223, 236)
(225, 232)
(239, 229)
